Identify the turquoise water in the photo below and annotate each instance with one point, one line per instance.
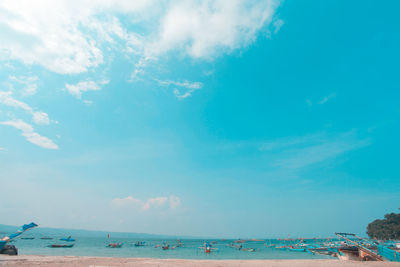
(96, 246)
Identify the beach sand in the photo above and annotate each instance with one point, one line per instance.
(147, 262)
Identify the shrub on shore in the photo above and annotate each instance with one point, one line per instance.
(388, 228)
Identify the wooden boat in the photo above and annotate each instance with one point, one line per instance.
(389, 253)
(207, 247)
(10, 249)
(296, 249)
(349, 253)
(61, 246)
(115, 245)
(249, 249)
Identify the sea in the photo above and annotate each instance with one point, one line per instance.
(89, 243)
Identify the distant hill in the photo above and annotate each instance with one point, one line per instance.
(61, 232)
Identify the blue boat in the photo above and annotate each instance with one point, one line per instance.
(388, 253)
(68, 239)
(7, 239)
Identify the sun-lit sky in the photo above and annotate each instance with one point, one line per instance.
(226, 118)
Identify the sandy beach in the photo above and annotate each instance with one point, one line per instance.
(149, 262)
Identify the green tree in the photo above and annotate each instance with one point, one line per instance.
(388, 228)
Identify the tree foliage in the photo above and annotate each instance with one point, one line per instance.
(388, 228)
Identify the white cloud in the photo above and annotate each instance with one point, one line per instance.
(154, 203)
(29, 83)
(174, 202)
(171, 202)
(189, 87)
(326, 98)
(299, 152)
(38, 117)
(202, 28)
(85, 86)
(278, 25)
(41, 118)
(70, 36)
(30, 135)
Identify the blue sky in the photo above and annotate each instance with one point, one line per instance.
(208, 118)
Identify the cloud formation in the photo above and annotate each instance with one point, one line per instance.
(73, 35)
(84, 86)
(171, 202)
(30, 135)
(326, 98)
(187, 87)
(29, 83)
(38, 117)
(302, 151)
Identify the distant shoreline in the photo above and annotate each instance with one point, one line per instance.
(36, 260)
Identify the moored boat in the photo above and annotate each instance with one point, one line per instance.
(61, 246)
(67, 239)
(115, 245)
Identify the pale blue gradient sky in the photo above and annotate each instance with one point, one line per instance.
(210, 118)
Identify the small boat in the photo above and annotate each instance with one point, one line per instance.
(12, 250)
(68, 239)
(27, 238)
(61, 246)
(165, 247)
(140, 244)
(349, 253)
(248, 249)
(390, 253)
(207, 247)
(115, 245)
(296, 249)
(46, 238)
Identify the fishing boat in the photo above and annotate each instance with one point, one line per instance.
(68, 239)
(179, 243)
(61, 246)
(207, 247)
(296, 249)
(390, 253)
(115, 245)
(354, 249)
(248, 249)
(140, 244)
(11, 249)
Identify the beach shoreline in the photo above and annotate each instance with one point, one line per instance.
(37, 260)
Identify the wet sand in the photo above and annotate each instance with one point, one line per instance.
(30, 260)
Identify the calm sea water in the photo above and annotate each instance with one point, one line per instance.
(96, 246)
